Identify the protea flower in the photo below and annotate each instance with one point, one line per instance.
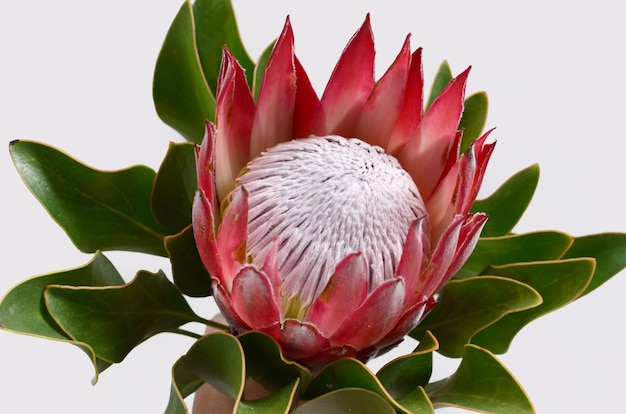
(330, 224)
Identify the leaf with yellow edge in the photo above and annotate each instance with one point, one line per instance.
(266, 363)
(402, 375)
(508, 203)
(558, 282)
(609, 250)
(23, 309)
(182, 97)
(115, 319)
(347, 400)
(468, 306)
(481, 383)
(216, 359)
(515, 248)
(348, 373)
(99, 210)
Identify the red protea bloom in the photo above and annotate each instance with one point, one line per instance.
(330, 224)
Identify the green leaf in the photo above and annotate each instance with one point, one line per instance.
(348, 373)
(442, 78)
(507, 204)
(267, 365)
(182, 97)
(346, 401)
(98, 210)
(216, 26)
(473, 118)
(609, 250)
(113, 320)
(190, 275)
(282, 401)
(558, 283)
(23, 309)
(174, 187)
(481, 383)
(469, 305)
(216, 359)
(259, 70)
(184, 383)
(401, 376)
(529, 247)
(417, 402)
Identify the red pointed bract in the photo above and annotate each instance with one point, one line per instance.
(442, 257)
(205, 163)
(231, 239)
(298, 340)
(408, 320)
(384, 104)
(273, 121)
(250, 289)
(374, 318)
(204, 234)
(424, 155)
(234, 118)
(411, 112)
(307, 103)
(349, 86)
(414, 254)
(468, 237)
(346, 291)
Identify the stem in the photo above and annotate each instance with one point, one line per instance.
(215, 325)
(186, 333)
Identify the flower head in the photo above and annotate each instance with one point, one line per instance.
(331, 223)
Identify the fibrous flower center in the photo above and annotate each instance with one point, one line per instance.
(323, 198)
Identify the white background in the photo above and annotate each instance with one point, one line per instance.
(77, 75)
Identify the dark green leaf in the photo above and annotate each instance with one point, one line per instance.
(113, 320)
(190, 275)
(558, 283)
(23, 309)
(609, 250)
(481, 383)
(282, 401)
(184, 383)
(98, 210)
(216, 27)
(348, 373)
(346, 401)
(216, 359)
(442, 78)
(474, 118)
(174, 187)
(507, 204)
(529, 247)
(267, 365)
(259, 70)
(469, 305)
(417, 402)
(404, 374)
(182, 97)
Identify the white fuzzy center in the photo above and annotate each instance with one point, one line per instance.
(324, 198)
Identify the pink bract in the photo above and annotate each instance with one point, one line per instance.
(350, 316)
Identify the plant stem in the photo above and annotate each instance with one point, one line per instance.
(186, 333)
(214, 324)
